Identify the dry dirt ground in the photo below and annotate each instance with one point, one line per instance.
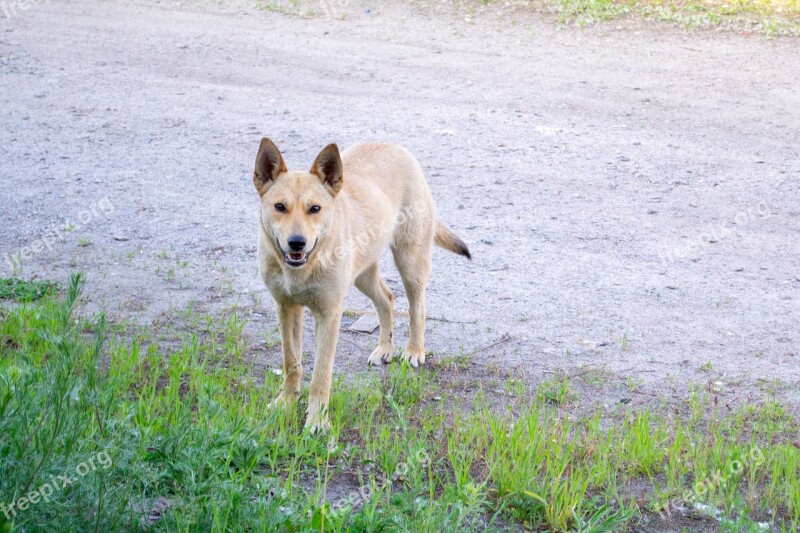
(631, 196)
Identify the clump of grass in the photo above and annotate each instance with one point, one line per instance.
(191, 445)
(555, 392)
(25, 291)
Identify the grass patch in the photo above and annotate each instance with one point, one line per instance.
(24, 291)
(180, 438)
(769, 17)
(555, 392)
(772, 17)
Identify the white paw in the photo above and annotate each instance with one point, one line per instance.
(283, 401)
(415, 359)
(317, 423)
(383, 354)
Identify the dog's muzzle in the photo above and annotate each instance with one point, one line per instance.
(295, 259)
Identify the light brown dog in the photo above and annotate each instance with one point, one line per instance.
(323, 230)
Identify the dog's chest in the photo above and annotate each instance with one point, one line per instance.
(288, 289)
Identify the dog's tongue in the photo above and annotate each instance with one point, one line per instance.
(296, 257)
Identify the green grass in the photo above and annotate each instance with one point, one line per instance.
(180, 437)
(555, 392)
(769, 17)
(24, 291)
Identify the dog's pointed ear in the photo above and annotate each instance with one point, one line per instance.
(328, 166)
(269, 163)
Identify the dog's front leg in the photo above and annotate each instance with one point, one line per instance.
(326, 336)
(290, 320)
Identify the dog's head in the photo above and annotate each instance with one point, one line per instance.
(296, 206)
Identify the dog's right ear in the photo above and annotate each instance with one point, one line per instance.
(269, 164)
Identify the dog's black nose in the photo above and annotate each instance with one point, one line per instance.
(296, 242)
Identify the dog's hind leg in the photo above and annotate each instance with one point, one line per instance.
(414, 264)
(290, 319)
(370, 283)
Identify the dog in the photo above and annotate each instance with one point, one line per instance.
(323, 230)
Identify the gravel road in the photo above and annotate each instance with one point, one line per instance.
(631, 196)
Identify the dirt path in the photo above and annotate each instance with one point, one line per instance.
(631, 198)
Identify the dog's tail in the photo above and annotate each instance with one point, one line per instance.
(449, 241)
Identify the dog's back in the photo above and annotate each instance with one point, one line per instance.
(389, 167)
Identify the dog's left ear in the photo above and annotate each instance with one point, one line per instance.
(328, 166)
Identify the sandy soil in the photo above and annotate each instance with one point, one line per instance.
(631, 196)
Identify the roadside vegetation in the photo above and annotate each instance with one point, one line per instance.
(177, 437)
(766, 17)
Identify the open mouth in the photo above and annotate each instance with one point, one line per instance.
(296, 259)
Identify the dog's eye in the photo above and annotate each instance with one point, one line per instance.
(314, 209)
(280, 208)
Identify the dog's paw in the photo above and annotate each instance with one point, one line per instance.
(415, 359)
(320, 428)
(283, 401)
(317, 423)
(383, 354)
